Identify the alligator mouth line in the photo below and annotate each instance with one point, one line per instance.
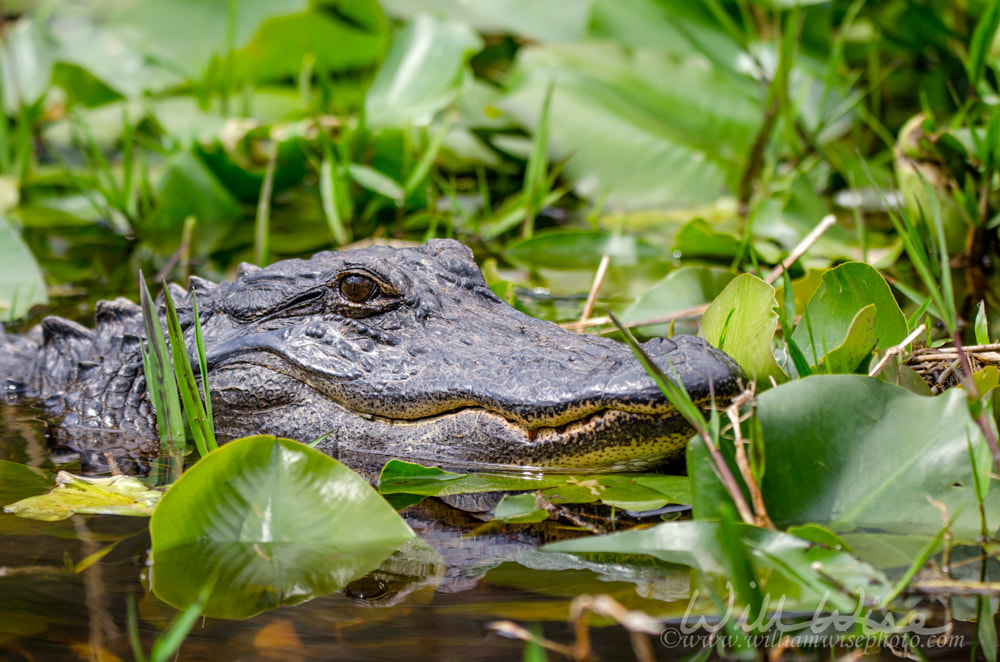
(541, 433)
(609, 438)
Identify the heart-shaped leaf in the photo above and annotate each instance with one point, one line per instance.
(267, 522)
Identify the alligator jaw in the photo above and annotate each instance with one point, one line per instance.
(343, 342)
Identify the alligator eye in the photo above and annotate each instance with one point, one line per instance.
(357, 288)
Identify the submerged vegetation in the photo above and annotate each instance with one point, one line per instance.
(814, 187)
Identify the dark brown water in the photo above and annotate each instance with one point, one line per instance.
(436, 611)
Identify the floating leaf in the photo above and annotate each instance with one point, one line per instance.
(681, 289)
(859, 342)
(520, 509)
(115, 495)
(622, 490)
(699, 239)
(268, 522)
(818, 574)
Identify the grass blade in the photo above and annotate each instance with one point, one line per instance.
(206, 392)
(673, 389)
(535, 188)
(262, 221)
(159, 374)
(419, 172)
(330, 186)
(194, 408)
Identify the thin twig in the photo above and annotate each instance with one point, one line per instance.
(952, 587)
(638, 623)
(825, 224)
(729, 481)
(515, 631)
(688, 313)
(595, 289)
(695, 312)
(896, 349)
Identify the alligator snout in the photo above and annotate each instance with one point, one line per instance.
(393, 353)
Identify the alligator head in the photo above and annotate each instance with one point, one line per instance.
(408, 353)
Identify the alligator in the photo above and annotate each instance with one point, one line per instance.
(388, 352)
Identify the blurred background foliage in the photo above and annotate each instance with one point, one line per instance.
(186, 136)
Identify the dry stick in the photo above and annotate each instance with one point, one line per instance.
(638, 623)
(515, 631)
(953, 587)
(743, 463)
(949, 354)
(729, 481)
(896, 349)
(588, 308)
(825, 224)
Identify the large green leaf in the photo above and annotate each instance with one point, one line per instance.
(627, 491)
(529, 19)
(806, 574)
(640, 126)
(741, 322)
(268, 522)
(188, 188)
(25, 65)
(21, 282)
(854, 452)
(270, 38)
(422, 73)
(186, 35)
(829, 318)
(351, 35)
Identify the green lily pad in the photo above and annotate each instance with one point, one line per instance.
(422, 73)
(267, 522)
(19, 481)
(741, 322)
(699, 239)
(829, 321)
(624, 490)
(520, 509)
(114, 495)
(853, 452)
(858, 344)
(805, 573)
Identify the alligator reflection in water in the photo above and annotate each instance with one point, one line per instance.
(415, 606)
(396, 352)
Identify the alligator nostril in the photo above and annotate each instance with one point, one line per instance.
(315, 331)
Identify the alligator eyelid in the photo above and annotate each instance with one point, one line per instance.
(291, 305)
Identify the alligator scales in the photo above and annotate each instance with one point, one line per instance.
(389, 352)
